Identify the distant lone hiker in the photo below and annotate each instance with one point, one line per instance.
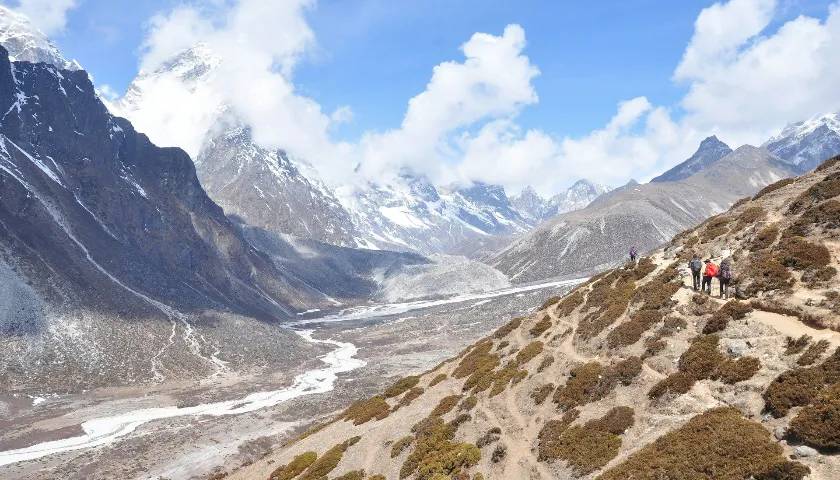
(724, 277)
(696, 267)
(633, 254)
(710, 272)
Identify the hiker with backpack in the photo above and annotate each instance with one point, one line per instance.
(709, 272)
(633, 254)
(696, 267)
(724, 277)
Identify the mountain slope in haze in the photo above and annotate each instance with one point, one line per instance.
(537, 209)
(267, 188)
(641, 216)
(710, 151)
(805, 144)
(632, 374)
(100, 227)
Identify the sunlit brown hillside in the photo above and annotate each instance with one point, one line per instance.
(633, 374)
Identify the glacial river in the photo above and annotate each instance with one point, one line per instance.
(105, 430)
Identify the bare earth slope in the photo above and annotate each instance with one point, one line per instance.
(631, 375)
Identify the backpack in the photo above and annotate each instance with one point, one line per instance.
(725, 271)
(696, 265)
(711, 270)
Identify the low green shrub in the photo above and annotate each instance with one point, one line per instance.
(542, 392)
(813, 353)
(818, 425)
(364, 411)
(445, 405)
(540, 327)
(401, 445)
(773, 187)
(438, 378)
(719, 444)
(295, 467)
(401, 386)
(327, 462)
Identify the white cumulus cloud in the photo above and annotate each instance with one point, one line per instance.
(50, 16)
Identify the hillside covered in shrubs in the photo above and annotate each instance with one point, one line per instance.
(633, 374)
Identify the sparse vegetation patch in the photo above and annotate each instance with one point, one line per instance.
(364, 411)
(295, 467)
(742, 449)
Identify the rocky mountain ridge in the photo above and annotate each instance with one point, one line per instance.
(643, 216)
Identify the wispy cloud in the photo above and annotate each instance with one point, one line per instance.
(50, 16)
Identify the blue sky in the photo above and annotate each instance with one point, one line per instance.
(609, 106)
(375, 54)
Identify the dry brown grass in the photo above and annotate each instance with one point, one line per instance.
(740, 449)
(468, 403)
(677, 384)
(616, 421)
(592, 381)
(827, 188)
(587, 448)
(364, 411)
(773, 187)
(401, 445)
(401, 386)
(542, 392)
(354, 475)
(732, 310)
(766, 274)
(765, 238)
(750, 216)
(738, 371)
(570, 303)
(438, 378)
(528, 352)
(505, 329)
(547, 362)
(813, 353)
(800, 254)
(703, 360)
(540, 327)
(327, 462)
(631, 331)
(794, 346)
(818, 425)
(714, 228)
(409, 397)
(435, 454)
(606, 302)
(295, 467)
(825, 215)
(800, 386)
(445, 405)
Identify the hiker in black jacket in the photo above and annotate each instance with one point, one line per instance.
(724, 277)
(696, 267)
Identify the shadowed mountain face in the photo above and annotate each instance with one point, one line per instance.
(92, 213)
(711, 150)
(641, 216)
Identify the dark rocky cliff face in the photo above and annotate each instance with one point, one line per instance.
(92, 213)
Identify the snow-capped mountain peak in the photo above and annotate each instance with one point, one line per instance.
(538, 209)
(28, 44)
(807, 144)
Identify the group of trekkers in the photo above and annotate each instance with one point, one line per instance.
(709, 270)
(702, 273)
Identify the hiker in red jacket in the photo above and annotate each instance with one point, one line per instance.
(709, 272)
